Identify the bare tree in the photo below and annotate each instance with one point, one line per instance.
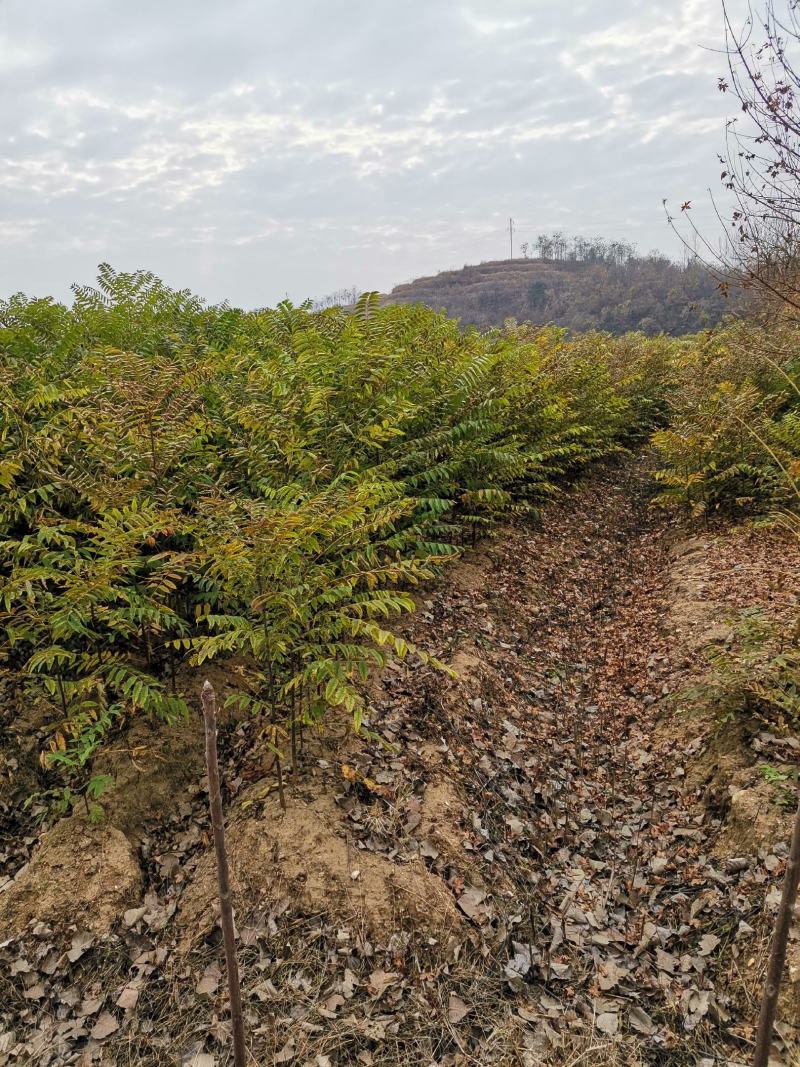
(340, 298)
(761, 162)
(544, 244)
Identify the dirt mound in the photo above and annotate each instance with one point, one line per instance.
(754, 822)
(711, 579)
(154, 764)
(79, 875)
(305, 853)
(693, 616)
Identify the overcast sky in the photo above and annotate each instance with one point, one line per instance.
(253, 149)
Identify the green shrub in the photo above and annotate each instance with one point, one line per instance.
(756, 674)
(733, 439)
(189, 482)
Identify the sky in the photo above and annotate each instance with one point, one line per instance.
(254, 149)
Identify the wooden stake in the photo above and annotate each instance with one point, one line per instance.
(780, 937)
(223, 877)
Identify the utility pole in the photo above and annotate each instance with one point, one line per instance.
(511, 236)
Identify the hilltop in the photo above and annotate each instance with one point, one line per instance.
(647, 293)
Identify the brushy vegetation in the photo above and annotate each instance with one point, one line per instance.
(758, 672)
(184, 482)
(733, 439)
(732, 445)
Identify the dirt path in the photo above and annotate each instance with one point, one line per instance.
(531, 872)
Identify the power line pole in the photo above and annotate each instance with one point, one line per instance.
(511, 236)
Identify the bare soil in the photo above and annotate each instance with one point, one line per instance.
(79, 875)
(306, 854)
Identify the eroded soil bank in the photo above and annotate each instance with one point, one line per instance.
(550, 859)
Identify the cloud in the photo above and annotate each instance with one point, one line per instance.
(254, 149)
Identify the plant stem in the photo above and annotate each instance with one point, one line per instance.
(281, 795)
(780, 937)
(294, 736)
(223, 877)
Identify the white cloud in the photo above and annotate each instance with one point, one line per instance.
(18, 54)
(188, 139)
(486, 25)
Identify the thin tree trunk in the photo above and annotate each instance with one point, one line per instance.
(780, 937)
(223, 878)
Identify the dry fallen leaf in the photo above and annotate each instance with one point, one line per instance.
(640, 1020)
(334, 1002)
(349, 983)
(287, 1053)
(456, 1009)
(708, 942)
(609, 976)
(379, 982)
(471, 901)
(128, 998)
(80, 943)
(105, 1026)
(90, 1006)
(209, 983)
(607, 1022)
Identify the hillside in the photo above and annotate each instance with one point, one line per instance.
(647, 293)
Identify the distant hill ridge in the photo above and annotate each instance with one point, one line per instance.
(647, 293)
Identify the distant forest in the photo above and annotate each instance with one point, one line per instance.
(578, 283)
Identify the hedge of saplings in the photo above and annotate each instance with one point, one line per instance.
(733, 434)
(184, 482)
